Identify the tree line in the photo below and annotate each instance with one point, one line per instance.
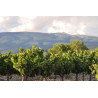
(61, 59)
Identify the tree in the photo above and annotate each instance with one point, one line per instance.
(55, 62)
(19, 62)
(46, 66)
(59, 49)
(2, 68)
(7, 66)
(65, 64)
(94, 66)
(96, 55)
(77, 46)
(56, 53)
(27, 61)
(83, 58)
(90, 60)
(77, 65)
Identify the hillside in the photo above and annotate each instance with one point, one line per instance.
(14, 40)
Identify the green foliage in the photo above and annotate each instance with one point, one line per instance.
(90, 60)
(65, 64)
(94, 69)
(77, 64)
(27, 61)
(60, 60)
(46, 66)
(94, 66)
(77, 46)
(6, 66)
(59, 49)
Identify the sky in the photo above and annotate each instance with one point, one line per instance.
(81, 25)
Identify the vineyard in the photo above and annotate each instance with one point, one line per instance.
(63, 61)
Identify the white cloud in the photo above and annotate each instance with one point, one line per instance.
(22, 28)
(25, 24)
(8, 21)
(81, 30)
(50, 24)
(1, 19)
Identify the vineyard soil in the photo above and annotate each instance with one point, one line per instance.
(37, 78)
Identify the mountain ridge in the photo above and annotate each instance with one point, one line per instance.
(14, 40)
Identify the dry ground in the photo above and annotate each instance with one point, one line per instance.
(70, 77)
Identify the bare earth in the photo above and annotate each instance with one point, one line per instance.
(70, 77)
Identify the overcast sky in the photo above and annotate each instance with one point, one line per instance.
(84, 25)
